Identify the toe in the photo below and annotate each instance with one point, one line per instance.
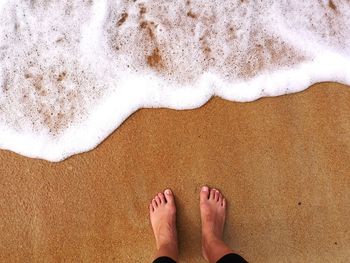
(151, 208)
(212, 194)
(158, 200)
(216, 195)
(154, 204)
(224, 202)
(204, 195)
(169, 196)
(220, 198)
(161, 197)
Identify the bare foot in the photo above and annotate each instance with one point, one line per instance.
(163, 219)
(213, 210)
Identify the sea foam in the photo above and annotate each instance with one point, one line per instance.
(72, 71)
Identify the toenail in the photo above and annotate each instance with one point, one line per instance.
(205, 189)
(167, 191)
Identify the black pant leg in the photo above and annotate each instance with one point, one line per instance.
(164, 260)
(232, 258)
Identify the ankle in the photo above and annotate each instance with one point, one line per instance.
(214, 249)
(169, 240)
(210, 236)
(168, 250)
(209, 241)
(167, 246)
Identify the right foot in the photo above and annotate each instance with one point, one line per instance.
(213, 209)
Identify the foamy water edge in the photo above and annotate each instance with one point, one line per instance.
(87, 137)
(326, 64)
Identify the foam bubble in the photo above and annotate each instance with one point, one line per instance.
(72, 71)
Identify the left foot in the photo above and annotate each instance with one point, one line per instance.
(163, 219)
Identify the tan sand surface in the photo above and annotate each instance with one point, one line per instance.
(283, 164)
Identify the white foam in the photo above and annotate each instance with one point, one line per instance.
(72, 71)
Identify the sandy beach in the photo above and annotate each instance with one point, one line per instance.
(282, 163)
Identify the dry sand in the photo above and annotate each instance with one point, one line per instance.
(283, 164)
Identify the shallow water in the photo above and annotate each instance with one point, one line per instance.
(72, 71)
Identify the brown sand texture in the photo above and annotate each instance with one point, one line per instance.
(283, 164)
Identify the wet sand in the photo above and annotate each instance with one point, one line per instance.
(283, 163)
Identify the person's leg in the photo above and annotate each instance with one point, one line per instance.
(213, 211)
(163, 219)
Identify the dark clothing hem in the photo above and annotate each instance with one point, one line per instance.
(164, 260)
(229, 258)
(232, 258)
